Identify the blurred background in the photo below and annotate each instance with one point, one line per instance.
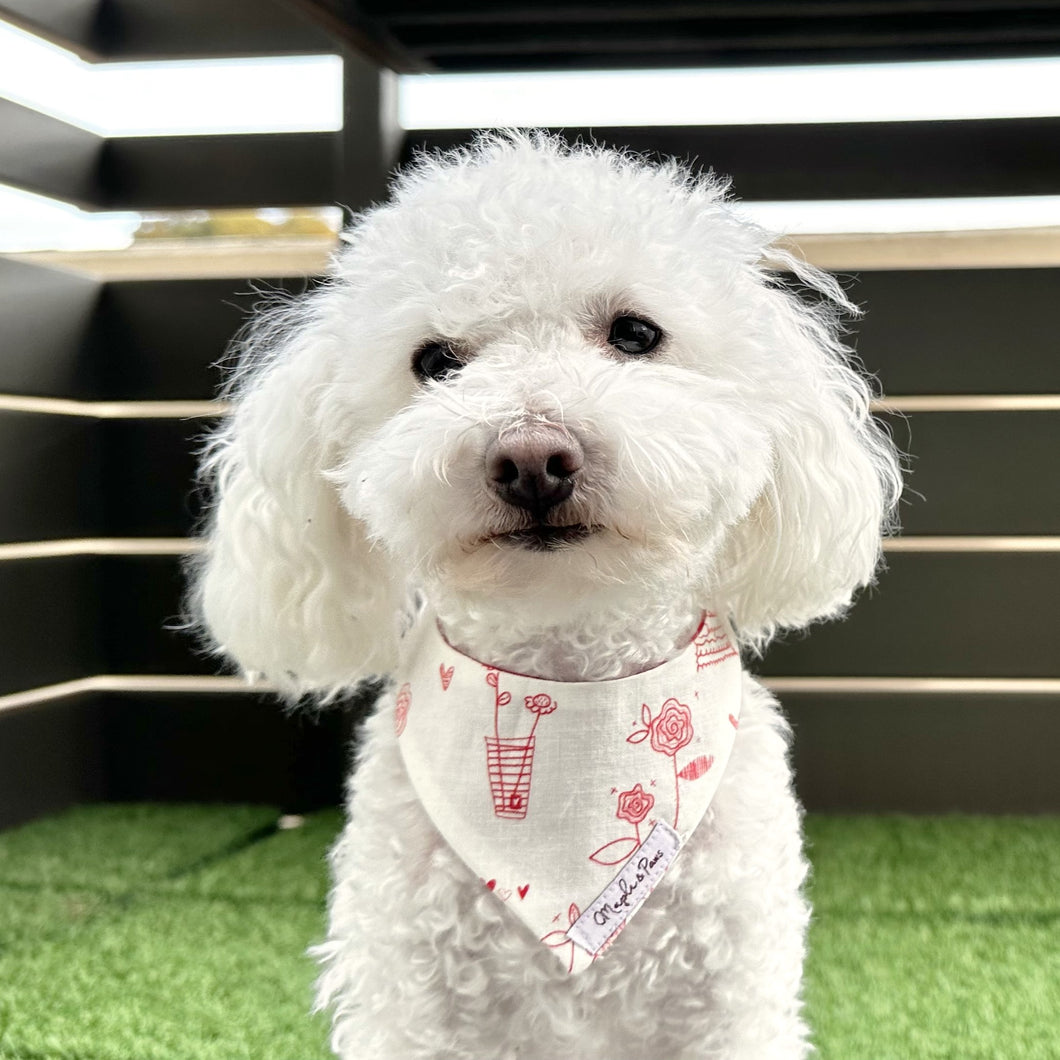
(165, 164)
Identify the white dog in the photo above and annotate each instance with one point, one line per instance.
(557, 400)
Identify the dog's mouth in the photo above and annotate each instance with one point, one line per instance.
(544, 538)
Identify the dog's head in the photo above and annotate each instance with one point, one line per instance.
(537, 374)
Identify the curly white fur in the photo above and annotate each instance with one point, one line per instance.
(737, 464)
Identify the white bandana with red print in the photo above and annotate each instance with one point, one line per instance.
(568, 799)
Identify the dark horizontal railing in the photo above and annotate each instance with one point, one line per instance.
(1007, 157)
(923, 331)
(968, 473)
(53, 158)
(843, 160)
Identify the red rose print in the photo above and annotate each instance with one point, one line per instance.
(401, 708)
(540, 704)
(635, 805)
(668, 732)
(672, 729)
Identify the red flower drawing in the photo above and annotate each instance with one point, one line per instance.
(401, 708)
(540, 704)
(672, 729)
(669, 731)
(635, 805)
(510, 760)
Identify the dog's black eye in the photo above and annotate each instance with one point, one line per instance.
(435, 360)
(633, 336)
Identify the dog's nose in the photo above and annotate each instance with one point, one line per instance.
(534, 468)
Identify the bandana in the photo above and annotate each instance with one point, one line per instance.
(568, 799)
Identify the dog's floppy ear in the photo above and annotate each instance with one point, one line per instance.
(288, 585)
(813, 537)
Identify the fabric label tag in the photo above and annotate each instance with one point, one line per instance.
(625, 894)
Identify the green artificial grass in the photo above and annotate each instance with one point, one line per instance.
(935, 938)
(178, 933)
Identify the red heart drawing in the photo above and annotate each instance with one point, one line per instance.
(522, 890)
(490, 884)
(446, 674)
(734, 722)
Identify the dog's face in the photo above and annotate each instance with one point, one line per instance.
(539, 373)
(584, 392)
